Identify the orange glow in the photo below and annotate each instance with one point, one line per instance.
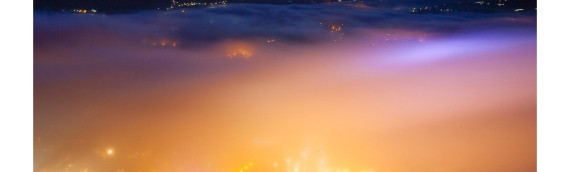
(311, 108)
(240, 54)
(163, 43)
(335, 28)
(239, 50)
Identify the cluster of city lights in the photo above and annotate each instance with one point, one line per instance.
(176, 4)
(336, 28)
(304, 163)
(246, 167)
(238, 49)
(336, 31)
(188, 4)
(432, 9)
(426, 9)
(84, 11)
(500, 3)
(165, 43)
(243, 54)
(480, 2)
(308, 162)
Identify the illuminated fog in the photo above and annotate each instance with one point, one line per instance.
(285, 88)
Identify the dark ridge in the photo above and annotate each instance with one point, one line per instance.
(112, 6)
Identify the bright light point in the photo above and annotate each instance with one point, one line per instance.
(109, 152)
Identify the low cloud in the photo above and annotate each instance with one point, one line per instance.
(196, 28)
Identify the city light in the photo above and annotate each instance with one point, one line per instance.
(308, 86)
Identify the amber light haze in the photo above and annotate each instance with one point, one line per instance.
(382, 100)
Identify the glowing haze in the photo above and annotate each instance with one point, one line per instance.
(263, 88)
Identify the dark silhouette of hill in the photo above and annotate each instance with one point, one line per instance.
(131, 5)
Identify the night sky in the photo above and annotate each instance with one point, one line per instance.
(308, 87)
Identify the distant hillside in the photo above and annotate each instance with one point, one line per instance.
(129, 5)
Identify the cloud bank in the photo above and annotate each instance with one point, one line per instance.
(195, 28)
